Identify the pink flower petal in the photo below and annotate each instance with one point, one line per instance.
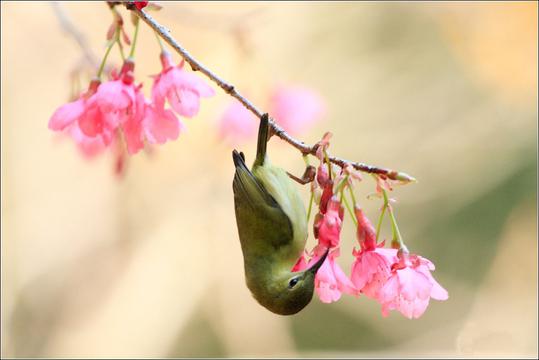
(185, 102)
(344, 284)
(237, 124)
(181, 88)
(114, 96)
(188, 80)
(133, 125)
(437, 291)
(296, 109)
(328, 293)
(329, 230)
(359, 276)
(159, 92)
(390, 291)
(300, 265)
(420, 305)
(386, 307)
(161, 125)
(91, 122)
(330, 280)
(89, 146)
(133, 136)
(389, 254)
(66, 114)
(326, 283)
(322, 175)
(413, 284)
(366, 234)
(410, 287)
(370, 271)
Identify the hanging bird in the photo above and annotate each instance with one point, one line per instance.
(272, 226)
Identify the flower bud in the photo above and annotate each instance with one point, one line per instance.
(322, 175)
(366, 234)
(326, 195)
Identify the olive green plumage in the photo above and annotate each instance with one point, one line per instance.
(272, 226)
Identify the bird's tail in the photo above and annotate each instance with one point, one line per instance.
(263, 131)
(239, 159)
(246, 187)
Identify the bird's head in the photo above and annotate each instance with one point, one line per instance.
(289, 292)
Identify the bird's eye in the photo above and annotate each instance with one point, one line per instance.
(293, 282)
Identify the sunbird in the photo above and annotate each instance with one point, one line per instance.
(272, 227)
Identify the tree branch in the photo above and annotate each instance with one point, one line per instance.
(305, 149)
(71, 29)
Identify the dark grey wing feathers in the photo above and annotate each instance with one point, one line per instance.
(252, 201)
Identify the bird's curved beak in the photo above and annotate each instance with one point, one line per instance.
(314, 268)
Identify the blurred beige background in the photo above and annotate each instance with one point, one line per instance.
(150, 265)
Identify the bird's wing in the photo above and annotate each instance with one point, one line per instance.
(261, 220)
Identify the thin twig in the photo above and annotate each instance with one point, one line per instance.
(164, 33)
(68, 26)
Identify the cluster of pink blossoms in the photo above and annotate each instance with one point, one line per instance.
(116, 113)
(398, 280)
(116, 109)
(393, 277)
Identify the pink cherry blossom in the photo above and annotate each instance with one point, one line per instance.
(69, 113)
(115, 111)
(93, 122)
(329, 226)
(327, 194)
(372, 266)
(371, 269)
(148, 122)
(113, 104)
(322, 175)
(366, 234)
(116, 98)
(330, 280)
(89, 146)
(296, 108)
(69, 118)
(237, 123)
(410, 287)
(161, 125)
(182, 89)
(132, 123)
(323, 145)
